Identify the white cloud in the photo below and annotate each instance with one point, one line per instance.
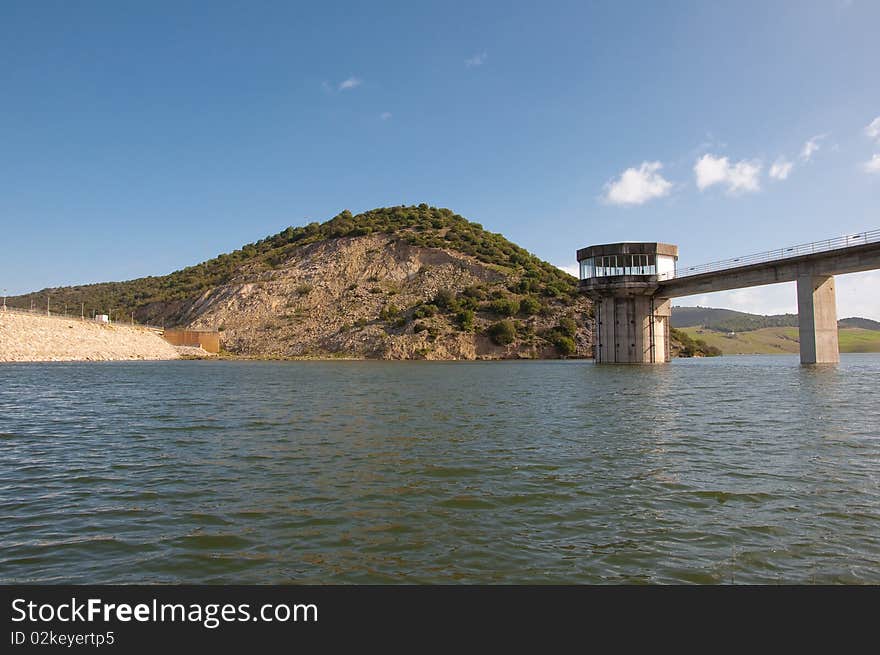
(781, 169)
(477, 60)
(385, 115)
(740, 177)
(710, 170)
(344, 85)
(873, 129)
(636, 186)
(811, 147)
(350, 83)
(873, 164)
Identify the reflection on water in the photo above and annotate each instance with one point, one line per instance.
(737, 469)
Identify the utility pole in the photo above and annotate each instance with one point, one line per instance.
(47, 305)
(4, 300)
(82, 311)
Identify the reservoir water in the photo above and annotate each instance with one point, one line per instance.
(735, 469)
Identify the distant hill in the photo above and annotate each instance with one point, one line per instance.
(780, 340)
(856, 322)
(727, 320)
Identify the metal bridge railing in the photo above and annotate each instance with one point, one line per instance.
(862, 238)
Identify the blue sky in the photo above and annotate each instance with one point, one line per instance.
(138, 138)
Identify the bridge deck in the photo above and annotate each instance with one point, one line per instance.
(850, 254)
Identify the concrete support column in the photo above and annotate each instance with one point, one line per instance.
(662, 324)
(632, 330)
(817, 319)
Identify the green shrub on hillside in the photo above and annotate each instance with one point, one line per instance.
(446, 300)
(527, 285)
(502, 332)
(389, 312)
(693, 347)
(568, 326)
(529, 305)
(467, 302)
(425, 311)
(474, 291)
(554, 290)
(465, 320)
(505, 306)
(565, 345)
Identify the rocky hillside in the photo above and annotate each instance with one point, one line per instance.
(397, 283)
(381, 296)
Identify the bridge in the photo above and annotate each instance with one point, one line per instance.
(633, 284)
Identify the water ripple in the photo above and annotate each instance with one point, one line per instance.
(739, 469)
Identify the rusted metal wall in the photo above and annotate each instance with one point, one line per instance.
(209, 341)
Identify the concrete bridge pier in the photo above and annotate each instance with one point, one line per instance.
(632, 329)
(817, 319)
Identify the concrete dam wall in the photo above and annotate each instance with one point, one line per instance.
(34, 338)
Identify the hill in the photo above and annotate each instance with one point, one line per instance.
(419, 226)
(780, 340)
(727, 320)
(856, 322)
(397, 282)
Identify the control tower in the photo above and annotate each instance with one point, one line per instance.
(622, 279)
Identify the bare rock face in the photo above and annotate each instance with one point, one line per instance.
(359, 297)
